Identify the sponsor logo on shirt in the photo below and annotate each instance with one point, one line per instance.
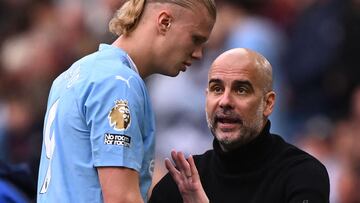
(117, 139)
(119, 77)
(119, 115)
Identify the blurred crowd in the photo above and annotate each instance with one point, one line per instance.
(311, 44)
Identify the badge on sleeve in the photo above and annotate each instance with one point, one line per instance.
(119, 116)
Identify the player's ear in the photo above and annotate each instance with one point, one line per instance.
(164, 22)
(269, 103)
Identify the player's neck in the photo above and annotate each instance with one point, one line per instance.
(137, 51)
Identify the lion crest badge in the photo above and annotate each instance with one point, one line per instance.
(119, 116)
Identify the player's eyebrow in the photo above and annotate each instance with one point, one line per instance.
(215, 80)
(199, 39)
(243, 83)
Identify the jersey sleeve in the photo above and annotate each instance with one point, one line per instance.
(114, 112)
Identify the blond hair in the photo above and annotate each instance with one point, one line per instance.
(127, 17)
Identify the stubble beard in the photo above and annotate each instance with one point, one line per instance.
(248, 131)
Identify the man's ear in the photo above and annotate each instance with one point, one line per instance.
(164, 22)
(269, 103)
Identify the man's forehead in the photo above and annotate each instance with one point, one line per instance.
(232, 60)
(232, 68)
(231, 72)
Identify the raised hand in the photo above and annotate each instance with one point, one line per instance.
(187, 178)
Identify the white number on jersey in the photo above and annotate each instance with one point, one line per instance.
(49, 142)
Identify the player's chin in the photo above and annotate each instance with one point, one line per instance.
(175, 72)
(172, 74)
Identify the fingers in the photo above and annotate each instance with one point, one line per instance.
(182, 165)
(172, 170)
(193, 168)
(175, 174)
(170, 167)
(174, 156)
(186, 177)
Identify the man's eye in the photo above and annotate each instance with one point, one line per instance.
(241, 91)
(195, 40)
(198, 40)
(216, 89)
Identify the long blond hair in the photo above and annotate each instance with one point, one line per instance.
(127, 17)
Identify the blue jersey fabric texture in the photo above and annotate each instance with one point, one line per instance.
(98, 114)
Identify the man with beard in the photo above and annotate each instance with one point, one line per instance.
(247, 162)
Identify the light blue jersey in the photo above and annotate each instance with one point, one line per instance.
(98, 114)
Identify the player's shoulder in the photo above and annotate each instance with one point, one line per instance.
(101, 67)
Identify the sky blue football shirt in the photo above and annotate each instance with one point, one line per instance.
(98, 114)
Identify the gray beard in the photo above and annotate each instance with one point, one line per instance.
(249, 131)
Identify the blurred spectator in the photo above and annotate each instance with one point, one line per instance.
(16, 184)
(14, 17)
(346, 145)
(315, 39)
(342, 78)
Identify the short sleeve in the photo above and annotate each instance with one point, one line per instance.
(114, 112)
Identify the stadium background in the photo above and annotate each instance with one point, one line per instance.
(313, 46)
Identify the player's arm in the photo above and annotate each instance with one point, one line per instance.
(120, 185)
(118, 164)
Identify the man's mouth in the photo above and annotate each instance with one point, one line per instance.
(227, 119)
(227, 122)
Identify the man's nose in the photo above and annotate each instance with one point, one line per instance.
(197, 54)
(226, 100)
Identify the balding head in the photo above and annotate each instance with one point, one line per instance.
(242, 57)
